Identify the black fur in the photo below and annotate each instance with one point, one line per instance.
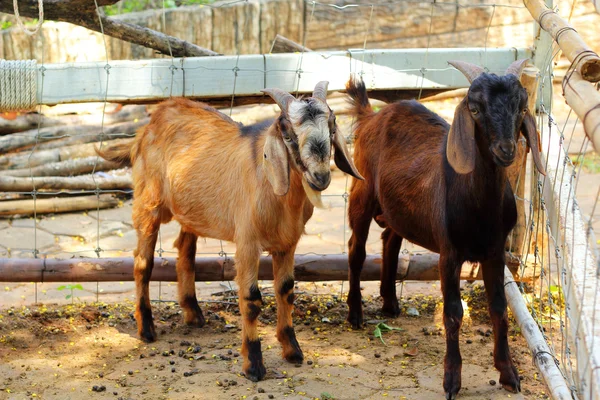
(311, 111)
(254, 294)
(297, 357)
(286, 286)
(253, 132)
(253, 312)
(257, 370)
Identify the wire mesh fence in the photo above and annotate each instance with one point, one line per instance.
(561, 210)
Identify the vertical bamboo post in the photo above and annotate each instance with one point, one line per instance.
(516, 172)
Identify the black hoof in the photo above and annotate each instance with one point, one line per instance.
(510, 380)
(256, 372)
(148, 336)
(355, 319)
(391, 310)
(451, 396)
(295, 358)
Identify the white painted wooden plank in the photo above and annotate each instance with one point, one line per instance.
(210, 77)
(578, 268)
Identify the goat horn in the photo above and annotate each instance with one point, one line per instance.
(516, 68)
(282, 98)
(320, 91)
(471, 71)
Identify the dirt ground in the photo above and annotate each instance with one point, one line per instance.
(58, 342)
(91, 351)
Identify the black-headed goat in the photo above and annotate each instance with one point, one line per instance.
(244, 184)
(444, 188)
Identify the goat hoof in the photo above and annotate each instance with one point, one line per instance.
(355, 319)
(295, 358)
(196, 321)
(148, 335)
(452, 383)
(510, 380)
(256, 372)
(391, 310)
(451, 396)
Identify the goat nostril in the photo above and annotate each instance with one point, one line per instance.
(323, 178)
(507, 148)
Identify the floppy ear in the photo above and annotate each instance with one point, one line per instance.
(342, 156)
(460, 147)
(530, 132)
(275, 162)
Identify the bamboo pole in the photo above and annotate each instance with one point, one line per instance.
(12, 184)
(542, 355)
(584, 99)
(78, 166)
(516, 172)
(56, 205)
(309, 268)
(585, 60)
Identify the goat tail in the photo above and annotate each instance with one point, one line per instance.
(119, 153)
(356, 89)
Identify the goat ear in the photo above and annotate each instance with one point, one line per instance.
(342, 156)
(530, 132)
(275, 162)
(460, 147)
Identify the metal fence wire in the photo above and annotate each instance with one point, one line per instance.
(561, 210)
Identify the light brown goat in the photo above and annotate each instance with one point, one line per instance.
(244, 184)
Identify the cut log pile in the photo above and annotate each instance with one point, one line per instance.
(48, 162)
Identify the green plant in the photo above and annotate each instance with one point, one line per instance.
(381, 328)
(70, 287)
(5, 25)
(129, 6)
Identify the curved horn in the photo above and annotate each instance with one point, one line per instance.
(320, 91)
(282, 98)
(471, 71)
(516, 68)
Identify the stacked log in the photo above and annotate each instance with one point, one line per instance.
(48, 161)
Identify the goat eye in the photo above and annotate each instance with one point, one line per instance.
(525, 111)
(474, 111)
(286, 137)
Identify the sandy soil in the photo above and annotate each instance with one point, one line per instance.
(91, 351)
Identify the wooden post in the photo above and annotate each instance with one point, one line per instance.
(12, 184)
(584, 99)
(56, 205)
(308, 268)
(516, 172)
(530, 330)
(587, 62)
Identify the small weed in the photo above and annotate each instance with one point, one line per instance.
(70, 287)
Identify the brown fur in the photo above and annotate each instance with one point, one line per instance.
(192, 164)
(438, 187)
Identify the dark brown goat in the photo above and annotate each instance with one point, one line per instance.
(444, 188)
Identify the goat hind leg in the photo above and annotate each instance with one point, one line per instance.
(142, 271)
(493, 278)
(360, 213)
(453, 315)
(391, 248)
(186, 279)
(250, 299)
(283, 272)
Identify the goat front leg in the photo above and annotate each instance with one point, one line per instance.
(493, 278)
(391, 248)
(247, 258)
(283, 272)
(453, 314)
(186, 279)
(142, 271)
